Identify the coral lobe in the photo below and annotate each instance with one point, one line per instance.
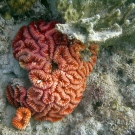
(21, 118)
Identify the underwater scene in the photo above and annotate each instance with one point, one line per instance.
(67, 67)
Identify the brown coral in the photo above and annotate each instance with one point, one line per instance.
(56, 71)
(22, 117)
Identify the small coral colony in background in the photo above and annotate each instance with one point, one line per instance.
(56, 71)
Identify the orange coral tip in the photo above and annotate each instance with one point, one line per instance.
(22, 118)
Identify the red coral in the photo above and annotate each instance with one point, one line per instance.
(56, 71)
(16, 96)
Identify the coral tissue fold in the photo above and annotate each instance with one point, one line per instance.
(55, 69)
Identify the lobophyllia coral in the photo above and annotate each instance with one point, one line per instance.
(21, 118)
(56, 71)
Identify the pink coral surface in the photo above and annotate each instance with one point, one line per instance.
(55, 69)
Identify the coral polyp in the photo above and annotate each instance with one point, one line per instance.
(55, 92)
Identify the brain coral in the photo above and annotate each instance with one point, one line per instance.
(55, 69)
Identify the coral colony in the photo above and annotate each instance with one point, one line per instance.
(55, 69)
(20, 6)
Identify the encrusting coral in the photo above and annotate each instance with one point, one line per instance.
(56, 71)
(21, 118)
